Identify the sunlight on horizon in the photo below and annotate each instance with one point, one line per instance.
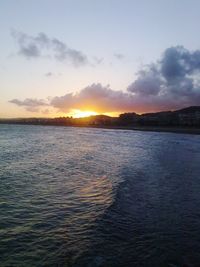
(81, 114)
(77, 113)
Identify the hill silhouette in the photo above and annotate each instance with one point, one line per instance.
(187, 117)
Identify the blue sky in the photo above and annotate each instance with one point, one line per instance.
(118, 38)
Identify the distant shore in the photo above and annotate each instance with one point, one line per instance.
(186, 120)
(150, 129)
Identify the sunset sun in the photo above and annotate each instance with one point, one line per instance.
(81, 114)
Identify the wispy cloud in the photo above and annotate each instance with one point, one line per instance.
(48, 74)
(30, 104)
(119, 56)
(42, 45)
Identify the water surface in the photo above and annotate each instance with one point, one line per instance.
(96, 197)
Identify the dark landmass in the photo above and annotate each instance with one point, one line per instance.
(185, 120)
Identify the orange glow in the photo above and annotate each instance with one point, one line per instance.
(76, 113)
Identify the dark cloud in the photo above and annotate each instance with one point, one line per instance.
(171, 82)
(147, 83)
(30, 50)
(42, 45)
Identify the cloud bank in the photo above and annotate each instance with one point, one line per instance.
(170, 83)
(42, 45)
(95, 97)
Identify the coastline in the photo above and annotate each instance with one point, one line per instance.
(180, 130)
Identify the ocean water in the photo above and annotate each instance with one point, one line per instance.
(96, 197)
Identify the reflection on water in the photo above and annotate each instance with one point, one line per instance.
(97, 191)
(94, 197)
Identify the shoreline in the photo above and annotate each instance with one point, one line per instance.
(150, 129)
(179, 130)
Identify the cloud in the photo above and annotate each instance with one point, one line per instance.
(49, 74)
(30, 104)
(41, 45)
(119, 56)
(95, 97)
(170, 83)
(147, 83)
(97, 60)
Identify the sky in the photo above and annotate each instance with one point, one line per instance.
(80, 57)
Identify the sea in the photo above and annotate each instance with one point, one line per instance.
(86, 197)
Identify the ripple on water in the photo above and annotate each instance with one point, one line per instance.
(95, 197)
